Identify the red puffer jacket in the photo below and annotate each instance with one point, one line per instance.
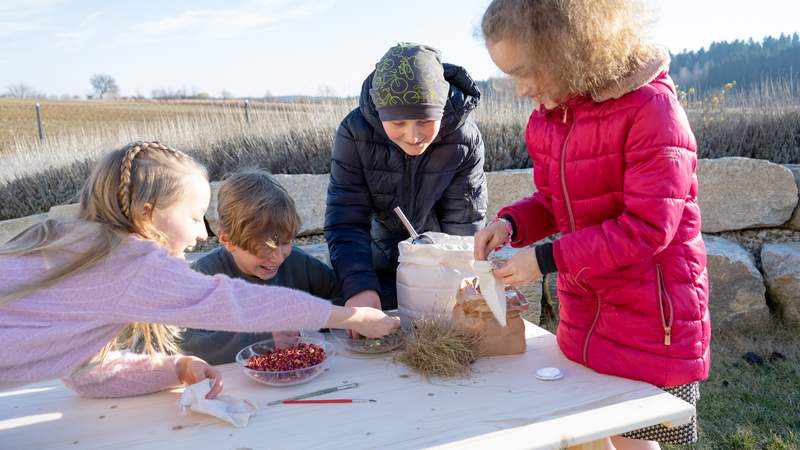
(617, 179)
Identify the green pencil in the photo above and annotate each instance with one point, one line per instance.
(316, 393)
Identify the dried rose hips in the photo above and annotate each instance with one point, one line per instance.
(291, 358)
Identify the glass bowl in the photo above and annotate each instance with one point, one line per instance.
(284, 377)
(366, 345)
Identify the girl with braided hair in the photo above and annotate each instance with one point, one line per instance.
(77, 295)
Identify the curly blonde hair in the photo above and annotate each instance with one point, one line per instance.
(589, 44)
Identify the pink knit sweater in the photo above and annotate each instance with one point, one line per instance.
(52, 332)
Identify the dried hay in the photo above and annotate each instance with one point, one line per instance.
(435, 348)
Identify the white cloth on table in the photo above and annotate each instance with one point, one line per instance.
(231, 409)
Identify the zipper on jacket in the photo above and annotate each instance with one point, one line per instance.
(589, 333)
(413, 177)
(408, 175)
(564, 171)
(663, 294)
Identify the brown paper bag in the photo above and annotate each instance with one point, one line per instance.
(472, 313)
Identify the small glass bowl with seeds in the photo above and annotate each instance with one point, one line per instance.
(383, 344)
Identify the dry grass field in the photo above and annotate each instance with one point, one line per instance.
(296, 137)
(68, 117)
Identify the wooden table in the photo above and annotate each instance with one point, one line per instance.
(501, 405)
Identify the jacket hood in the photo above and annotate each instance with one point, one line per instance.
(647, 72)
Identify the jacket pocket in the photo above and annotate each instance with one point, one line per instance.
(664, 306)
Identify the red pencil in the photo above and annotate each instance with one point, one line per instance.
(332, 400)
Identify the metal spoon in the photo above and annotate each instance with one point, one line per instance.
(415, 237)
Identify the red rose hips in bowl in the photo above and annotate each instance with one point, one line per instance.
(286, 365)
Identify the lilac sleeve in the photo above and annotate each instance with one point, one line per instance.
(124, 374)
(166, 290)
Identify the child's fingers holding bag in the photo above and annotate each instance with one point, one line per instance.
(509, 273)
(520, 269)
(481, 239)
(488, 239)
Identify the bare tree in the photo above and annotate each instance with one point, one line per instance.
(21, 90)
(104, 84)
(226, 94)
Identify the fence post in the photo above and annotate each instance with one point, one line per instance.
(247, 111)
(39, 122)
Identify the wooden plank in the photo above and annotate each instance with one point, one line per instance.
(501, 404)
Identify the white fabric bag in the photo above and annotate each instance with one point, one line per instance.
(429, 275)
(493, 290)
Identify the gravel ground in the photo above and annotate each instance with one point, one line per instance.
(212, 242)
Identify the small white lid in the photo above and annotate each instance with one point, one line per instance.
(549, 373)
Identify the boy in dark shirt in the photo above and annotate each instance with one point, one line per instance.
(257, 222)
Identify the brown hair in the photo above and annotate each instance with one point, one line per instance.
(589, 44)
(255, 210)
(112, 206)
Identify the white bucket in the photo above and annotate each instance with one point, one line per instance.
(429, 275)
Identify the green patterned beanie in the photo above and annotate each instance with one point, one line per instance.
(409, 84)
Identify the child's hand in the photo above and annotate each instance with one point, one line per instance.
(489, 238)
(374, 323)
(192, 369)
(369, 299)
(362, 320)
(285, 338)
(522, 268)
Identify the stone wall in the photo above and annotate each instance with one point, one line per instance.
(310, 191)
(751, 225)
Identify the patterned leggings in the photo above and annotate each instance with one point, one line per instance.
(684, 434)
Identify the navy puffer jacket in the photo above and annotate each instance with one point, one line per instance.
(444, 189)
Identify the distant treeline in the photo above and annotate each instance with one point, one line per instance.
(748, 62)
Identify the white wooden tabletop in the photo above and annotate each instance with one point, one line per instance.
(501, 405)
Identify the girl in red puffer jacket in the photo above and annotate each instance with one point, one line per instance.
(614, 163)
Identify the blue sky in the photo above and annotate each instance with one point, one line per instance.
(249, 47)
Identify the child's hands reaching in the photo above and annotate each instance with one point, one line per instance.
(520, 269)
(374, 323)
(192, 369)
(365, 321)
(367, 298)
(489, 238)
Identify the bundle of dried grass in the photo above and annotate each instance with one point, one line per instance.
(437, 349)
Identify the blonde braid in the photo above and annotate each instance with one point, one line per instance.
(123, 195)
(177, 154)
(127, 165)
